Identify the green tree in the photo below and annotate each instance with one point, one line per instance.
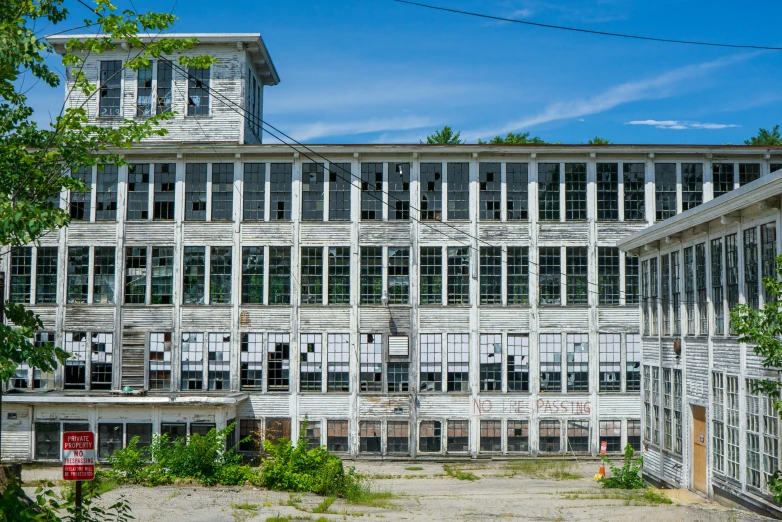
(597, 140)
(445, 136)
(36, 162)
(766, 137)
(514, 139)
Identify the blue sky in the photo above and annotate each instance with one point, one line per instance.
(368, 71)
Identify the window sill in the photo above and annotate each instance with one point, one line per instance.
(199, 116)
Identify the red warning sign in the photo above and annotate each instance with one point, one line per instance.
(603, 447)
(78, 455)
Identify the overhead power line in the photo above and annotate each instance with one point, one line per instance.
(588, 31)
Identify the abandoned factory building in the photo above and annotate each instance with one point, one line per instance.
(406, 300)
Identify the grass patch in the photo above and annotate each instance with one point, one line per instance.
(286, 518)
(372, 498)
(415, 468)
(245, 506)
(459, 474)
(324, 506)
(649, 496)
(541, 469)
(103, 483)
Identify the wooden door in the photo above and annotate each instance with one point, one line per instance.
(699, 448)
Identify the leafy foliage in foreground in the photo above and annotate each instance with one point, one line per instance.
(626, 477)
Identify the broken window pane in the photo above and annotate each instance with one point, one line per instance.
(144, 99)
(398, 275)
(371, 191)
(192, 361)
(577, 268)
(135, 275)
(339, 275)
(578, 436)
(491, 275)
(370, 437)
(431, 191)
(398, 377)
(109, 439)
(398, 191)
(164, 82)
(160, 361)
(75, 343)
(80, 201)
(337, 436)
(312, 185)
(577, 363)
(165, 188)
(371, 275)
(220, 275)
(607, 191)
(219, 352)
(254, 191)
(110, 88)
(141, 430)
(550, 275)
(195, 191)
(279, 362)
(491, 436)
(518, 436)
(279, 275)
(338, 378)
(431, 275)
(692, 185)
(518, 275)
(431, 362)
(491, 362)
(398, 439)
(280, 175)
(162, 275)
(47, 440)
(371, 363)
(46, 276)
(608, 274)
(340, 175)
(78, 275)
(517, 186)
(490, 191)
(138, 191)
(252, 275)
(251, 361)
(198, 91)
(194, 273)
(633, 362)
(549, 439)
(575, 192)
(458, 362)
(722, 178)
(458, 275)
(311, 275)
(665, 190)
(106, 204)
(550, 363)
(748, 172)
(430, 437)
(458, 436)
(312, 434)
(102, 348)
(610, 363)
(222, 191)
(548, 191)
(634, 188)
(458, 191)
(518, 362)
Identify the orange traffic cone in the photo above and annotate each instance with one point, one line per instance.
(602, 470)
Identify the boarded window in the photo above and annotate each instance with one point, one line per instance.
(312, 186)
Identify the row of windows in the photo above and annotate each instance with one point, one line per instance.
(374, 437)
(663, 407)
(326, 191)
(324, 363)
(684, 276)
(324, 277)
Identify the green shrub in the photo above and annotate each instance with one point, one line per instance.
(628, 476)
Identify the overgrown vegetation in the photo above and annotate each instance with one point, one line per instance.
(460, 474)
(630, 497)
(626, 477)
(102, 483)
(541, 469)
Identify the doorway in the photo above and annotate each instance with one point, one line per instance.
(698, 448)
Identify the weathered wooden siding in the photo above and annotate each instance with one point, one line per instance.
(276, 233)
(444, 319)
(619, 406)
(504, 319)
(514, 234)
(563, 234)
(198, 234)
(155, 233)
(317, 406)
(564, 319)
(89, 318)
(727, 355)
(378, 406)
(651, 350)
(672, 471)
(325, 234)
(392, 233)
(205, 319)
(47, 314)
(325, 319)
(436, 233)
(696, 353)
(16, 434)
(381, 319)
(258, 406)
(609, 233)
(652, 462)
(148, 318)
(445, 406)
(618, 319)
(81, 233)
(277, 319)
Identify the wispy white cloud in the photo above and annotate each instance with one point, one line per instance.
(658, 87)
(319, 129)
(682, 125)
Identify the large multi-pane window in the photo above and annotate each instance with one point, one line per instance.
(656, 404)
(46, 276)
(371, 191)
(280, 183)
(195, 191)
(692, 185)
(653, 291)
(398, 275)
(165, 191)
(138, 191)
(632, 284)
(371, 275)
(677, 411)
(338, 371)
(608, 274)
(716, 287)
(491, 275)
(279, 275)
(518, 275)
(611, 434)
(80, 201)
(371, 363)
(575, 192)
(370, 437)
(491, 362)
(311, 275)
(222, 191)
(164, 81)
(431, 362)
(491, 436)
(431, 191)
(310, 362)
(518, 435)
(458, 275)
(339, 191)
(193, 275)
(398, 191)
(665, 290)
(689, 289)
(550, 362)
(633, 362)
(144, 101)
(518, 362)
(278, 361)
(700, 286)
(398, 439)
(634, 434)
(722, 178)
(768, 253)
(607, 191)
(135, 275)
(548, 191)
(718, 421)
(101, 355)
(667, 409)
(577, 274)
(160, 361)
(106, 193)
(220, 275)
(646, 303)
(550, 275)
(490, 191)
(458, 362)
(252, 275)
(76, 366)
(78, 274)
(770, 439)
(577, 363)
(732, 426)
(312, 186)
(549, 436)
(339, 275)
(251, 361)
(665, 190)
(675, 293)
(458, 191)
(647, 403)
(110, 101)
(398, 377)
(732, 273)
(751, 286)
(610, 363)
(103, 275)
(219, 363)
(430, 437)
(254, 186)
(431, 275)
(337, 435)
(458, 436)
(748, 172)
(198, 91)
(192, 361)
(578, 436)
(634, 192)
(22, 273)
(753, 436)
(517, 190)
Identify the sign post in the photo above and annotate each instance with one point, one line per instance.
(78, 458)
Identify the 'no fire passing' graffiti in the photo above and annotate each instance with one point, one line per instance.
(541, 406)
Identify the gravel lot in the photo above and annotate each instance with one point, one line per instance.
(527, 490)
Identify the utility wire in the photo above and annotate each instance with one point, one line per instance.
(588, 31)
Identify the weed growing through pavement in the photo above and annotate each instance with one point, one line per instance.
(541, 469)
(458, 473)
